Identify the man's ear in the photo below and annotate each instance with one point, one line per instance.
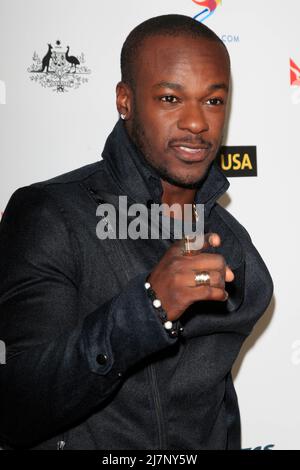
(124, 100)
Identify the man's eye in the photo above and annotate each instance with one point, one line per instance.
(169, 99)
(215, 101)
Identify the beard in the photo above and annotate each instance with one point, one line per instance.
(139, 138)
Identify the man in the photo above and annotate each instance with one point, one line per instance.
(129, 343)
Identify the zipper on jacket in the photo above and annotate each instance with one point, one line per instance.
(158, 409)
(157, 402)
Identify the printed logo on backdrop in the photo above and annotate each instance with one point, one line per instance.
(58, 69)
(261, 447)
(208, 8)
(295, 81)
(294, 73)
(238, 161)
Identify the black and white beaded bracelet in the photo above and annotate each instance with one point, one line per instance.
(172, 329)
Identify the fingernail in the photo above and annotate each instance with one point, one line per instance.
(211, 239)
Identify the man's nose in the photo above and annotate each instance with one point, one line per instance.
(193, 119)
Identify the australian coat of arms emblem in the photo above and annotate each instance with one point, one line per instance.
(58, 68)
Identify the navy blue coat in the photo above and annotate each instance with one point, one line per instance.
(88, 361)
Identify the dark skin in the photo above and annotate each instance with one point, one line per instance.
(175, 114)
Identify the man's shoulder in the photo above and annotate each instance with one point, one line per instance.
(74, 176)
(62, 190)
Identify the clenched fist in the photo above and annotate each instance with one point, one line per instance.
(173, 278)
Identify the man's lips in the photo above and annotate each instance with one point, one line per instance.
(191, 153)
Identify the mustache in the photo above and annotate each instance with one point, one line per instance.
(197, 140)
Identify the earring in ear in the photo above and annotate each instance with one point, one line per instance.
(123, 116)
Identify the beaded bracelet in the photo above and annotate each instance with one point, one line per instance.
(172, 330)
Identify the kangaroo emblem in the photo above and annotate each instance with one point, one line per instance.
(46, 60)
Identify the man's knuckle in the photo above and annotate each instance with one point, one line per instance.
(220, 261)
(220, 279)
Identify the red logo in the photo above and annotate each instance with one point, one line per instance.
(208, 8)
(294, 73)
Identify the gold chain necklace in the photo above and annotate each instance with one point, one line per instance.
(195, 212)
(186, 238)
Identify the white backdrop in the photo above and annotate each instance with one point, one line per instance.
(44, 133)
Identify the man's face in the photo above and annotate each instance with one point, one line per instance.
(178, 106)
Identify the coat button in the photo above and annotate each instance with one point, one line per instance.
(101, 359)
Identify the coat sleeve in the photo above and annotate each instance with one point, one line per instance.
(59, 368)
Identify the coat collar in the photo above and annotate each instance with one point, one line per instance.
(136, 179)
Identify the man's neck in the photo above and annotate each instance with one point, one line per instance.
(176, 195)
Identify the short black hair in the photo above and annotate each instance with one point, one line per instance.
(165, 25)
